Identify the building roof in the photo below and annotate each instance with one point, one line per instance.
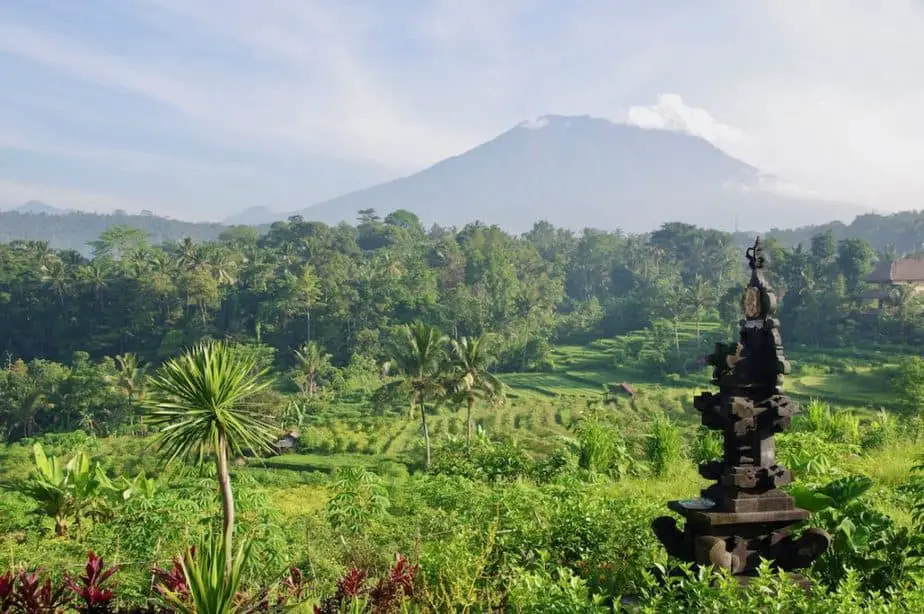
(897, 271)
(287, 441)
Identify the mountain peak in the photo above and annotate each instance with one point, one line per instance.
(38, 207)
(560, 121)
(582, 171)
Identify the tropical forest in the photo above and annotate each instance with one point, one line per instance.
(382, 417)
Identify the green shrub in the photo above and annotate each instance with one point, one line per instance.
(663, 446)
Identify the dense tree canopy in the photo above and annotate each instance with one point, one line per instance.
(344, 293)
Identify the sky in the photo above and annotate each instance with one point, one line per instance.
(197, 109)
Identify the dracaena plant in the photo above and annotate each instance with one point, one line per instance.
(94, 597)
(355, 593)
(200, 401)
(6, 591)
(35, 595)
(206, 585)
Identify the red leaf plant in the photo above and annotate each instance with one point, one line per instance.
(94, 597)
(292, 588)
(6, 591)
(33, 596)
(384, 597)
(397, 585)
(172, 580)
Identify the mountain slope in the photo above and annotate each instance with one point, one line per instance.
(75, 229)
(38, 207)
(253, 216)
(581, 172)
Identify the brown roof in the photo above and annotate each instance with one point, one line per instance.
(897, 271)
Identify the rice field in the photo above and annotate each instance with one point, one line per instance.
(541, 406)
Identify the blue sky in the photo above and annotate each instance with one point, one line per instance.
(200, 108)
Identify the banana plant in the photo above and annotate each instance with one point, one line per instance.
(863, 538)
(68, 491)
(838, 503)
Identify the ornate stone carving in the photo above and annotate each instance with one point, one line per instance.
(743, 516)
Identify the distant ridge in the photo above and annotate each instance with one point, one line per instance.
(253, 216)
(40, 208)
(74, 229)
(903, 230)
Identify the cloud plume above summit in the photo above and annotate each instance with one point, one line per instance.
(197, 108)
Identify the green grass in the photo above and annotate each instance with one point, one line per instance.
(327, 463)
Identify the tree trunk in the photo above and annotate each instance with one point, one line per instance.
(697, 329)
(676, 336)
(426, 432)
(227, 498)
(61, 526)
(468, 423)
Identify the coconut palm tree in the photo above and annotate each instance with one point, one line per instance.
(130, 376)
(312, 362)
(200, 400)
(906, 303)
(130, 379)
(472, 358)
(700, 296)
(419, 357)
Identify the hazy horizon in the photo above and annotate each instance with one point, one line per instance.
(200, 109)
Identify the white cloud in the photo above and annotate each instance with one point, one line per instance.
(825, 94)
(671, 113)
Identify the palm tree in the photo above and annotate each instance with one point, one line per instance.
(420, 359)
(700, 297)
(473, 358)
(308, 291)
(199, 399)
(906, 302)
(96, 276)
(312, 361)
(56, 276)
(130, 377)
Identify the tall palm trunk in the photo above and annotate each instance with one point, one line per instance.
(426, 431)
(468, 422)
(676, 336)
(227, 498)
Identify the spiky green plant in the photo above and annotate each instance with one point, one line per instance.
(200, 401)
(212, 587)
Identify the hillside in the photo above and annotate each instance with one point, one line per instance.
(578, 172)
(75, 229)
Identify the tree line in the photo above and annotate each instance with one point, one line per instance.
(348, 288)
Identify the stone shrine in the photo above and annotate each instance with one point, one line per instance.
(743, 517)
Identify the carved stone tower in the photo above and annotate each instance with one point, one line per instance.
(743, 517)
